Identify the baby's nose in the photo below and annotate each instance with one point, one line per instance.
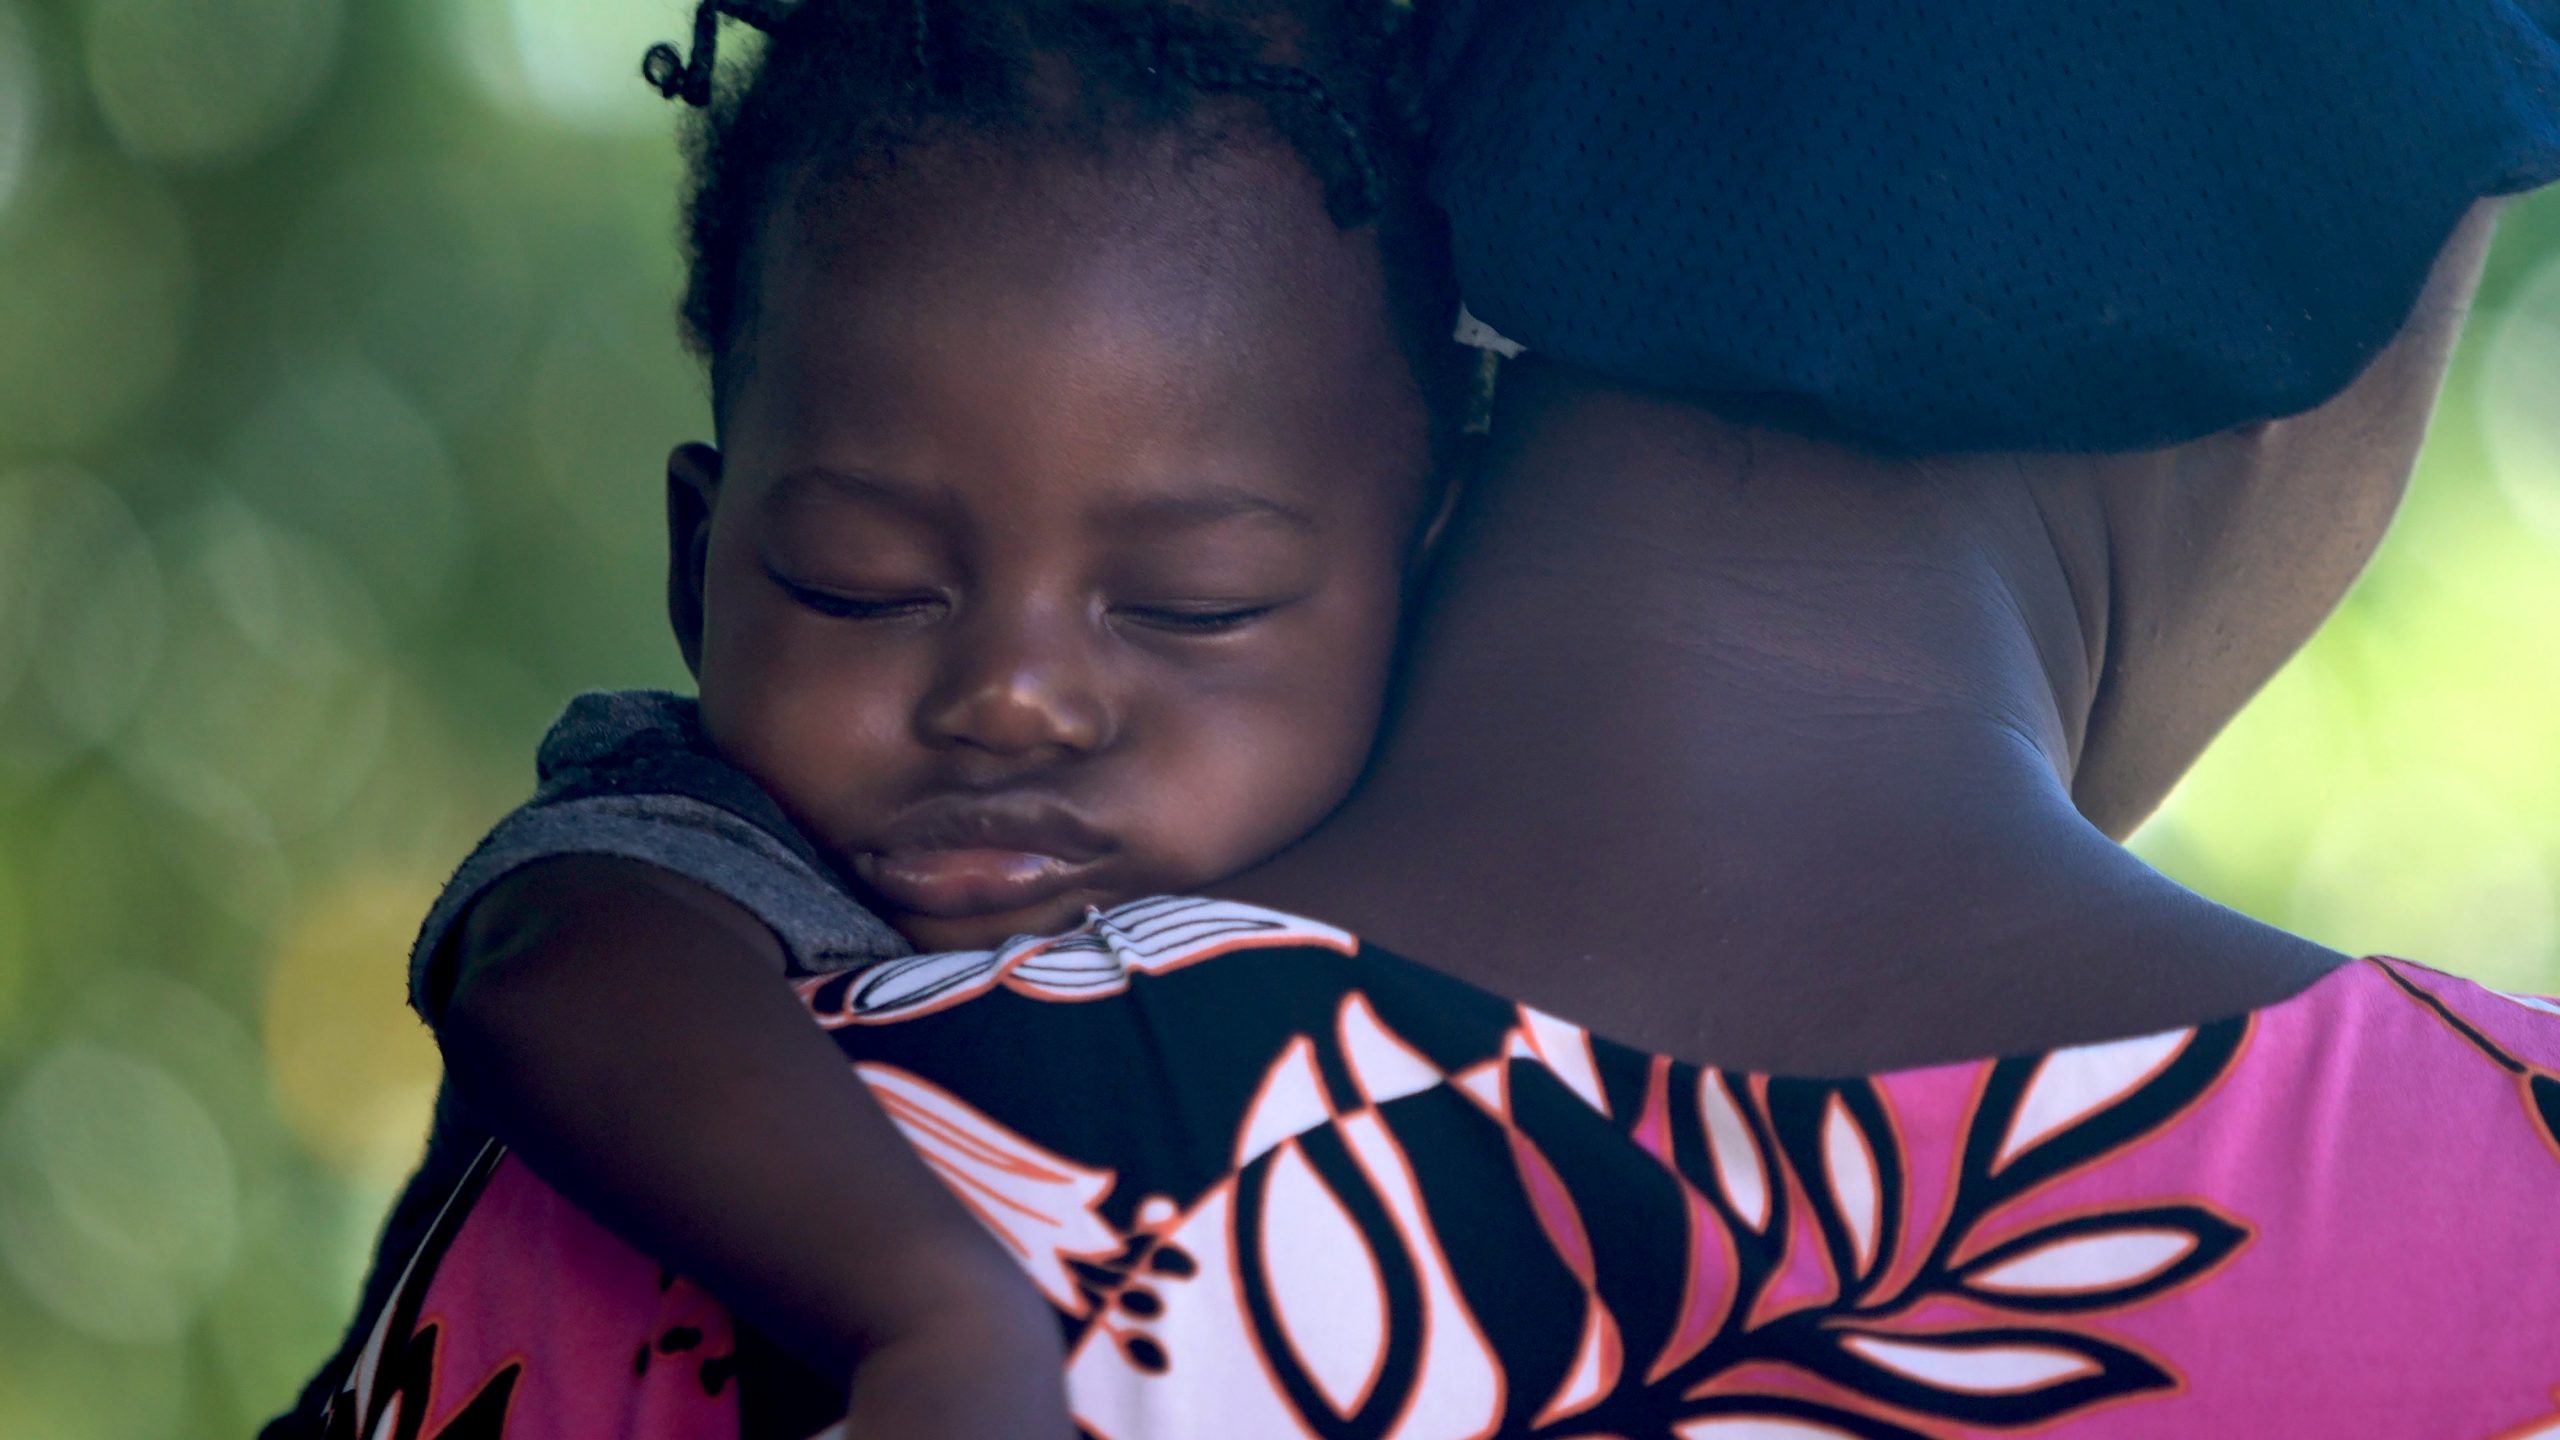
(1019, 686)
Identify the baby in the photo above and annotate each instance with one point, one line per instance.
(1080, 374)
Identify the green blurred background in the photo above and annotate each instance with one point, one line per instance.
(337, 364)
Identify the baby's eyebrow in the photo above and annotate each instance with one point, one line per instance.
(1194, 508)
(814, 481)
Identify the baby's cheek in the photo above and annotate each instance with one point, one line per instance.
(1279, 773)
(830, 742)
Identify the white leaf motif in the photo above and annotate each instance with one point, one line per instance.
(1756, 1427)
(1290, 1102)
(1169, 932)
(896, 986)
(2071, 1085)
(1386, 1067)
(2107, 1261)
(1975, 1370)
(1325, 1284)
(1595, 1368)
(1739, 1170)
(1039, 1204)
(1566, 1049)
(1070, 968)
(1852, 1169)
(1460, 1389)
(1093, 960)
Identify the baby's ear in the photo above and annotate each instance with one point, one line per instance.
(693, 482)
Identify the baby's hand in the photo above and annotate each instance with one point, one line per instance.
(987, 1363)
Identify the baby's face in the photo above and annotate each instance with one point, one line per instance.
(1057, 547)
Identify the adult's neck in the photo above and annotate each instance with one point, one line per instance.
(1757, 748)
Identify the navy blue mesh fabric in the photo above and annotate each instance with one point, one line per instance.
(1977, 224)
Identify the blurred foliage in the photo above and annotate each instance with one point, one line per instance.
(337, 366)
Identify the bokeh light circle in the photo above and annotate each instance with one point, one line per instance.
(353, 1072)
(436, 793)
(119, 1208)
(269, 713)
(338, 453)
(95, 311)
(194, 1039)
(574, 63)
(418, 271)
(181, 80)
(82, 617)
(104, 638)
(21, 100)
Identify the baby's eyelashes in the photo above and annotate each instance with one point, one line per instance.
(836, 605)
(1173, 617)
(1194, 620)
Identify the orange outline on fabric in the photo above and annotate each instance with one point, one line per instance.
(993, 976)
(1029, 989)
(2540, 1428)
(1902, 1149)
(1243, 1318)
(1002, 974)
(2003, 1158)
(1439, 1261)
(1798, 1209)
(1760, 1159)
(2084, 1367)
(2533, 1107)
(428, 1424)
(1377, 1276)
(1919, 1243)
(1975, 1247)
(1386, 1032)
(2239, 1055)
(1743, 1382)
(1702, 1215)
(1299, 1046)
(1599, 1099)
(1611, 1364)
(2177, 1385)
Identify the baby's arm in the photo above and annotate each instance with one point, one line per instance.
(628, 1032)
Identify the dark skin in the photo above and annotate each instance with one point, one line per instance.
(1873, 726)
(1023, 582)
(1870, 739)
(1027, 582)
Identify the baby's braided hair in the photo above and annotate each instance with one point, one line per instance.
(844, 87)
(1251, 76)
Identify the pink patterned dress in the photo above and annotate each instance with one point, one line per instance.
(1280, 1184)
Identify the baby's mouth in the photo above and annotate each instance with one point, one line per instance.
(962, 859)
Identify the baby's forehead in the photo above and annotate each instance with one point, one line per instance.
(1140, 304)
(1173, 506)
(1185, 219)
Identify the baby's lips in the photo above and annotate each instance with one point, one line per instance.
(1025, 825)
(960, 883)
